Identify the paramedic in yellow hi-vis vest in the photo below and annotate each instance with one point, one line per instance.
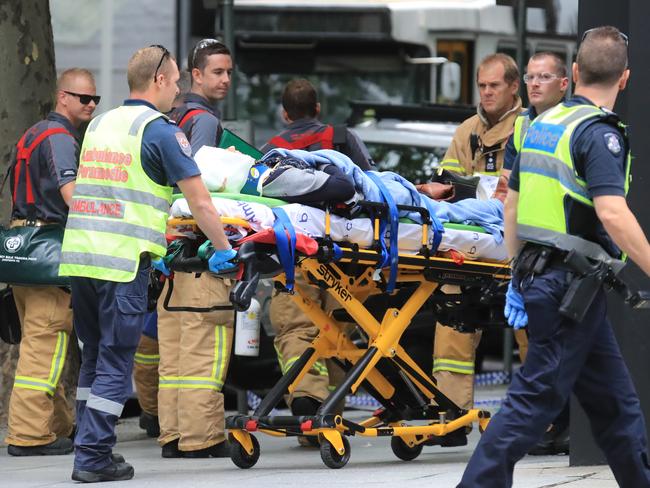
(546, 84)
(566, 202)
(195, 346)
(40, 418)
(130, 158)
(478, 147)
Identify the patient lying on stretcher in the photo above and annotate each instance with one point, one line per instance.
(316, 179)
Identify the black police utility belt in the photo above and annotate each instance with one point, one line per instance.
(587, 276)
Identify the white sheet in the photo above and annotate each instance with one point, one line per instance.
(311, 221)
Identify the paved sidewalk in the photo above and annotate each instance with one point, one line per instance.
(284, 464)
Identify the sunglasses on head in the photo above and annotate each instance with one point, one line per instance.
(623, 36)
(162, 58)
(85, 99)
(202, 45)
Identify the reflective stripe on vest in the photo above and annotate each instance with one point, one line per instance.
(522, 122)
(547, 176)
(117, 211)
(325, 138)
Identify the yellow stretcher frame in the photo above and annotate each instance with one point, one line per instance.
(350, 291)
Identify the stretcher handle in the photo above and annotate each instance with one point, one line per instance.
(244, 290)
(382, 209)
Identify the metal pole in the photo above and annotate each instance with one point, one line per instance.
(183, 40)
(106, 57)
(521, 38)
(508, 336)
(229, 39)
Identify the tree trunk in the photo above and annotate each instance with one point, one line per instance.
(26, 96)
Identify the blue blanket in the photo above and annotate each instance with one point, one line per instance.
(486, 213)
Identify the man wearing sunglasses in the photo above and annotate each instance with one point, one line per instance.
(130, 159)
(40, 419)
(567, 194)
(197, 345)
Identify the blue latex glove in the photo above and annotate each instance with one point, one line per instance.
(160, 265)
(220, 260)
(514, 310)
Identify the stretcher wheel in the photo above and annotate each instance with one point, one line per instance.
(403, 451)
(240, 457)
(331, 457)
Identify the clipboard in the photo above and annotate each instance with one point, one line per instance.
(229, 138)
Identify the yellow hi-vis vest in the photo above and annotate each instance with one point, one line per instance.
(117, 211)
(522, 122)
(547, 176)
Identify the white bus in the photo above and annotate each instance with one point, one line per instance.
(375, 50)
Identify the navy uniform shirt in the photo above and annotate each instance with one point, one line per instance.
(53, 164)
(354, 148)
(166, 155)
(599, 154)
(511, 153)
(202, 129)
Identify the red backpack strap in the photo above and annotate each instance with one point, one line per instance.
(188, 115)
(325, 138)
(25, 153)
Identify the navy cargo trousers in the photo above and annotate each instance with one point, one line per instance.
(108, 318)
(564, 356)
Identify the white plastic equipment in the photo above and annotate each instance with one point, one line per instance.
(247, 331)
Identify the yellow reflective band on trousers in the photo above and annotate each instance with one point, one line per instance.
(117, 212)
(318, 366)
(213, 382)
(147, 358)
(453, 366)
(56, 367)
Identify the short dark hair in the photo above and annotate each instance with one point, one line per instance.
(510, 69)
(602, 56)
(198, 56)
(299, 99)
(560, 65)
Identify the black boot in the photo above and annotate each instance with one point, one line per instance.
(170, 450)
(453, 439)
(220, 450)
(305, 406)
(62, 445)
(112, 472)
(150, 424)
(555, 441)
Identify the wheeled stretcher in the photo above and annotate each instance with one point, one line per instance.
(413, 410)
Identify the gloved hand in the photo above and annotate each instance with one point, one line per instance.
(161, 266)
(220, 260)
(514, 310)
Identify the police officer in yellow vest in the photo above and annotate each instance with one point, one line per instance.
(546, 84)
(567, 192)
(130, 158)
(478, 147)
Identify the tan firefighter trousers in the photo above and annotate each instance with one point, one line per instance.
(454, 354)
(194, 355)
(294, 333)
(38, 409)
(145, 374)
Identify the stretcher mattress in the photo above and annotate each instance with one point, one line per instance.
(469, 241)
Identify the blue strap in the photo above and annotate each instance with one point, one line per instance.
(393, 216)
(286, 245)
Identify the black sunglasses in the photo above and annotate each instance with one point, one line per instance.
(623, 36)
(202, 45)
(162, 58)
(84, 99)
